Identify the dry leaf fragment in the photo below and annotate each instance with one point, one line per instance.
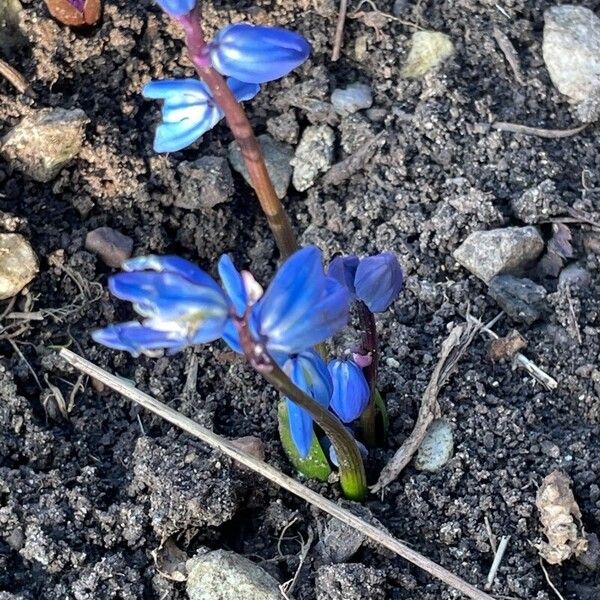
(170, 561)
(558, 249)
(506, 347)
(561, 520)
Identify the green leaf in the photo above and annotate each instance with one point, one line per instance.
(315, 465)
(382, 414)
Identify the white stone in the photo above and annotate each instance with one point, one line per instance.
(437, 447)
(571, 51)
(314, 155)
(18, 264)
(352, 99)
(507, 250)
(228, 576)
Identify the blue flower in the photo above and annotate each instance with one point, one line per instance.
(257, 54)
(378, 281)
(309, 372)
(343, 269)
(189, 109)
(182, 305)
(302, 306)
(177, 8)
(350, 389)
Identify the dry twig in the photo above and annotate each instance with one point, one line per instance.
(339, 30)
(350, 165)
(548, 382)
(551, 134)
(512, 58)
(272, 474)
(453, 348)
(287, 588)
(497, 560)
(558, 594)
(15, 78)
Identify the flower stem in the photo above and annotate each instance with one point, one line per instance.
(352, 471)
(240, 126)
(370, 346)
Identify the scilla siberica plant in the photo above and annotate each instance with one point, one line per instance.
(327, 403)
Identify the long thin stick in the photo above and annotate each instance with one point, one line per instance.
(551, 134)
(339, 30)
(497, 560)
(287, 483)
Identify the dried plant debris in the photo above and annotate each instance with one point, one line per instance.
(561, 520)
(558, 249)
(505, 348)
(170, 560)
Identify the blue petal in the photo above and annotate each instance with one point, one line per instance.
(309, 372)
(379, 281)
(190, 113)
(327, 316)
(173, 264)
(177, 8)
(135, 338)
(241, 90)
(257, 54)
(301, 428)
(233, 284)
(171, 137)
(343, 270)
(350, 390)
(170, 297)
(302, 306)
(232, 337)
(175, 88)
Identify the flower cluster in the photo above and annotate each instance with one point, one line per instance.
(182, 305)
(248, 55)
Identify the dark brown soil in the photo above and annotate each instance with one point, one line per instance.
(84, 501)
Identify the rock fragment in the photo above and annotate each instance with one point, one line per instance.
(45, 142)
(521, 299)
(278, 157)
(18, 264)
(506, 250)
(314, 155)
(355, 97)
(204, 183)
(284, 127)
(436, 448)
(350, 581)
(561, 520)
(228, 576)
(574, 277)
(538, 203)
(571, 50)
(110, 245)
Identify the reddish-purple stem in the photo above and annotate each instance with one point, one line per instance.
(242, 130)
(370, 347)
